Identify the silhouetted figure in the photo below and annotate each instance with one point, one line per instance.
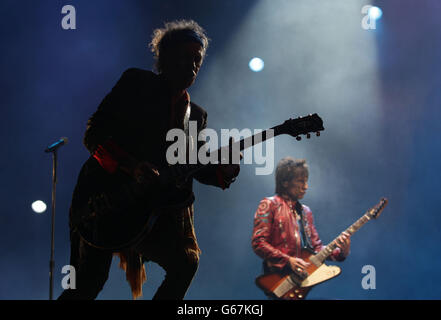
(126, 137)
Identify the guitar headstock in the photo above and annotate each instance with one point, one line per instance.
(376, 211)
(302, 125)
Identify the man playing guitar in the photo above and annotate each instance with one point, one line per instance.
(283, 227)
(127, 140)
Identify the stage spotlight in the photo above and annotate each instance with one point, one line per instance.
(256, 64)
(375, 13)
(39, 206)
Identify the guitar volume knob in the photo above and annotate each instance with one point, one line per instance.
(317, 133)
(298, 138)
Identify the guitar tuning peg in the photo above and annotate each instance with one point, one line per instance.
(308, 136)
(317, 133)
(298, 138)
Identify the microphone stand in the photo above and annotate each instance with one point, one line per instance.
(53, 148)
(52, 262)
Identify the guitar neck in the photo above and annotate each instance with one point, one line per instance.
(327, 251)
(257, 138)
(298, 126)
(294, 127)
(242, 144)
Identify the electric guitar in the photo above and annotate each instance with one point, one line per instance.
(115, 215)
(296, 285)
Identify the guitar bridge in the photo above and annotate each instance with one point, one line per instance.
(297, 279)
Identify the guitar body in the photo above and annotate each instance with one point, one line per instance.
(291, 286)
(112, 211)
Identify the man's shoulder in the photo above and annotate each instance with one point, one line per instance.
(198, 110)
(139, 74)
(306, 209)
(271, 198)
(271, 201)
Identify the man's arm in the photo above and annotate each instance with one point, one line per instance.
(106, 121)
(218, 175)
(105, 124)
(263, 220)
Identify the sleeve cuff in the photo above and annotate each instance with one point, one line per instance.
(105, 159)
(109, 155)
(220, 178)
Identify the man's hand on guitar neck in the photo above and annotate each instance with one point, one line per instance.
(344, 243)
(231, 170)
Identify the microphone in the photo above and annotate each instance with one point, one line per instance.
(54, 146)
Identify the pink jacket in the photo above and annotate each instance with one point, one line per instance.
(276, 234)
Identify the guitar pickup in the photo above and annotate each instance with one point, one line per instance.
(298, 276)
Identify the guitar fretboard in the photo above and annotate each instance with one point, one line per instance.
(320, 257)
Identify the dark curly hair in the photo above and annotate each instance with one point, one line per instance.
(288, 169)
(165, 39)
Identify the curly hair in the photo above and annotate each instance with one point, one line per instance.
(165, 39)
(288, 169)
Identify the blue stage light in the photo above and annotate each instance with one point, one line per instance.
(39, 206)
(256, 64)
(375, 13)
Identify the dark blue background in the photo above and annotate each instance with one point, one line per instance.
(377, 91)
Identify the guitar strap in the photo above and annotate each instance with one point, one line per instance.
(187, 119)
(305, 232)
(303, 227)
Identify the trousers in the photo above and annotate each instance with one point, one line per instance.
(171, 243)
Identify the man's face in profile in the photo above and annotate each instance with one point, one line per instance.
(297, 187)
(182, 64)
